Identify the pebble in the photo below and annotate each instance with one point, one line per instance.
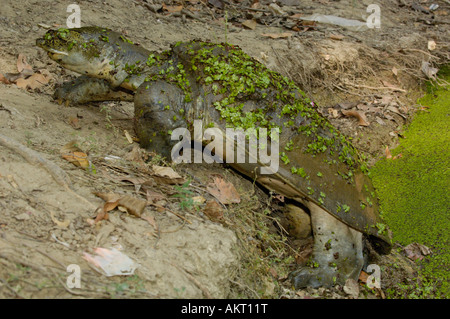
(23, 216)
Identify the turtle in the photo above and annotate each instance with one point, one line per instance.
(219, 86)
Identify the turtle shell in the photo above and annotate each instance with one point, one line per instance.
(229, 89)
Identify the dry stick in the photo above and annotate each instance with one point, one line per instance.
(426, 53)
(5, 283)
(178, 215)
(195, 281)
(375, 88)
(35, 158)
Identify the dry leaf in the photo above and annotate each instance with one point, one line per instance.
(137, 155)
(198, 199)
(213, 210)
(74, 122)
(132, 205)
(250, 24)
(33, 82)
(394, 70)
(172, 9)
(224, 191)
(277, 35)
(295, 16)
(166, 175)
(337, 37)
(388, 153)
(351, 288)
(73, 154)
(3, 79)
(22, 63)
(363, 276)
(416, 251)
(362, 120)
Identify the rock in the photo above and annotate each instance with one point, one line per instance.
(299, 222)
(351, 288)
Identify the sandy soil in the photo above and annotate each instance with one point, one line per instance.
(45, 225)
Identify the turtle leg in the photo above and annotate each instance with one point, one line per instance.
(86, 89)
(157, 106)
(337, 252)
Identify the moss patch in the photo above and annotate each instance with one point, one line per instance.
(414, 192)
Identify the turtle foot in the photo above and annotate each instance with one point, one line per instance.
(312, 277)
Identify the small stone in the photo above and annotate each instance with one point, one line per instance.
(351, 288)
(23, 216)
(299, 222)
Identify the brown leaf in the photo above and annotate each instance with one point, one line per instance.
(277, 35)
(224, 191)
(172, 9)
(131, 204)
(351, 288)
(22, 63)
(388, 153)
(416, 251)
(134, 206)
(250, 24)
(337, 37)
(296, 16)
(166, 175)
(137, 155)
(3, 79)
(394, 70)
(363, 276)
(213, 210)
(33, 82)
(73, 154)
(359, 115)
(74, 122)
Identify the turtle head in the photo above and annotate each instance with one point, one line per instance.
(84, 50)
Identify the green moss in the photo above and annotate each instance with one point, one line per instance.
(414, 189)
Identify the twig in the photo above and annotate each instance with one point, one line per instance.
(245, 287)
(176, 214)
(5, 283)
(35, 158)
(204, 290)
(375, 88)
(417, 50)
